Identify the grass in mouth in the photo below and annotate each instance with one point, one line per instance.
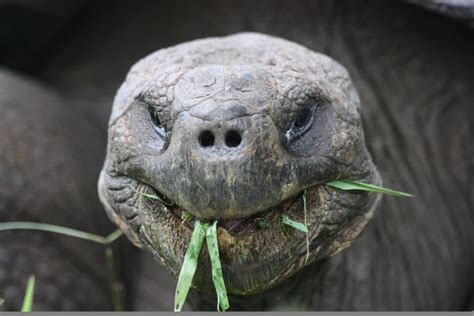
(209, 231)
(299, 226)
(154, 197)
(186, 217)
(346, 185)
(350, 185)
(201, 231)
(217, 278)
(306, 225)
(296, 225)
(262, 223)
(189, 266)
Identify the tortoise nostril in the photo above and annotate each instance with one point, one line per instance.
(233, 138)
(206, 139)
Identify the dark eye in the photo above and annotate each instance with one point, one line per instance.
(303, 118)
(302, 123)
(155, 119)
(156, 122)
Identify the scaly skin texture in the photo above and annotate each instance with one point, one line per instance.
(412, 69)
(297, 117)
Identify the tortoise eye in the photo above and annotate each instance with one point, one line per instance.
(301, 124)
(154, 118)
(156, 122)
(303, 118)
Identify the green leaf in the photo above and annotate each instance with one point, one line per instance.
(262, 223)
(54, 229)
(348, 185)
(306, 226)
(296, 225)
(115, 285)
(108, 240)
(186, 216)
(217, 278)
(113, 236)
(154, 197)
(189, 265)
(29, 293)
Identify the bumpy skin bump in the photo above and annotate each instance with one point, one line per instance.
(297, 115)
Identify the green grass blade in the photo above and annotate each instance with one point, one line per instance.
(185, 217)
(53, 229)
(306, 226)
(113, 236)
(29, 293)
(154, 197)
(189, 265)
(297, 225)
(115, 284)
(349, 185)
(217, 278)
(262, 223)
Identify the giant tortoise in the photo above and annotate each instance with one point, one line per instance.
(235, 128)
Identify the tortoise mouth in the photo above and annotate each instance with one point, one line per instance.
(267, 251)
(254, 257)
(236, 227)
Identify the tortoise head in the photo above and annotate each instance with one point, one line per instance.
(237, 129)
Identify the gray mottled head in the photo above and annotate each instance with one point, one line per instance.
(235, 129)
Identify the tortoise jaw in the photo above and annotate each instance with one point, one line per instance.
(264, 255)
(234, 226)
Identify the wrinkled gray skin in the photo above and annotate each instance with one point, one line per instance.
(296, 123)
(413, 71)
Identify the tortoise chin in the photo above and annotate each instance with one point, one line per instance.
(228, 129)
